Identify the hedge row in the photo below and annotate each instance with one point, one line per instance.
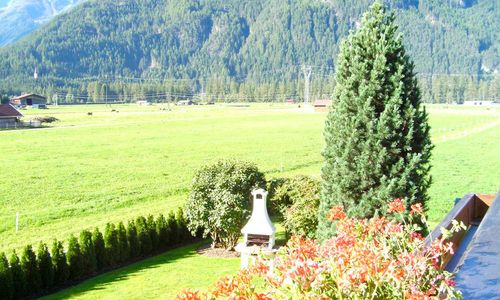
(90, 254)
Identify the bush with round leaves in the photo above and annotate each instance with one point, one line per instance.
(220, 200)
(300, 217)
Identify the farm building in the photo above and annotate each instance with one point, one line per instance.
(9, 116)
(186, 102)
(322, 105)
(33, 100)
(143, 103)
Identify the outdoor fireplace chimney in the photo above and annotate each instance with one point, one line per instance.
(259, 231)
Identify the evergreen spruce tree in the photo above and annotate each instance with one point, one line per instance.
(75, 259)
(377, 137)
(153, 234)
(45, 266)
(111, 244)
(29, 266)
(6, 283)
(59, 263)
(18, 279)
(99, 249)
(123, 243)
(143, 236)
(183, 231)
(161, 228)
(133, 241)
(88, 252)
(173, 229)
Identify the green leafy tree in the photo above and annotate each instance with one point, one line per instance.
(18, 277)
(111, 244)
(29, 266)
(123, 242)
(45, 266)
(133, 241)
(6, 283)
(377, 137)
(4, 99)
(60, 263)
(99, 249)
(220, 198)
(88, 252)
(75, 259)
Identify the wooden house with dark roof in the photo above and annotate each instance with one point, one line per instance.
(33, 100)
(9, 116)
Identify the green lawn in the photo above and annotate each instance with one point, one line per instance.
(109, 167)
(160, 277)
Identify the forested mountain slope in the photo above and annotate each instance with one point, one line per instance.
(258, 40)
(21, 17)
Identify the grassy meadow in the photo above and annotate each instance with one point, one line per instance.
(85, 171)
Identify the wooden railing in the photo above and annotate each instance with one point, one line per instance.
(470, 210)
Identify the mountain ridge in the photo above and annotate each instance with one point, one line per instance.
(258, 40)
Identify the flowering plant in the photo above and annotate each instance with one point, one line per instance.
(374, 258)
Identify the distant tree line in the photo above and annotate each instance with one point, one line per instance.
(50, 268)
(435, 89)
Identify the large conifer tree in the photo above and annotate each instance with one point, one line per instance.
(377, 137)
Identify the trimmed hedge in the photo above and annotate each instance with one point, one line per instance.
(93, 253)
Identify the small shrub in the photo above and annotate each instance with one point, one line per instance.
(46, 119)
(123, 243)
(59, 263)
(88, 252)
(111, 245)
(45, 266)
(276, 199)
(301, 217)
(99, 249)
(133, 241)
(220, 197)
(6, 283)
(75, 259)
(29, 266)
(18, 277)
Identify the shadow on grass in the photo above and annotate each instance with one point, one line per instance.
(102, 281)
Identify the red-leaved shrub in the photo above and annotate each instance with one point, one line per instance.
(373, 258)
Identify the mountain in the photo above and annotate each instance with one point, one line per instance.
(21, 17)
(258, 40)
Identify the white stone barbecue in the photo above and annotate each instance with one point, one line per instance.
(259, 233)
(259, 230)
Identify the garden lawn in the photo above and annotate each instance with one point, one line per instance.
(159, 277)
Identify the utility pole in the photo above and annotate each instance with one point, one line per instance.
(307, 70)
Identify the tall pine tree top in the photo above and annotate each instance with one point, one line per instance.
(377, 137)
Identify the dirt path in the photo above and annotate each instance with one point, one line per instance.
(466, 133)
